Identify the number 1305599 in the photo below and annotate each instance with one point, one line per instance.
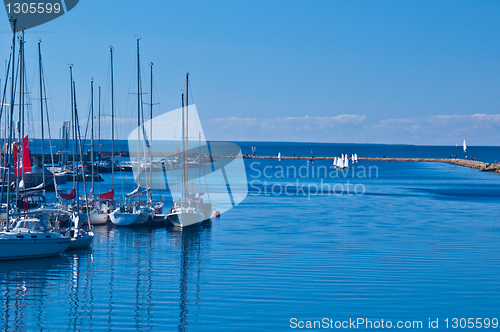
(471, 323)
(33, 8)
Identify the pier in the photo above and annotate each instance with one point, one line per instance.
(485, 167)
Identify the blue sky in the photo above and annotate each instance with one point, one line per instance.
(419, 72)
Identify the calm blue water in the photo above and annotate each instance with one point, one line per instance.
(418, 241)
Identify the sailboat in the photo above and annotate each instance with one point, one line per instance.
(30, 237)
(340, 162)
(465, 147)
(279, 156)
(134, 214)
(186, 211)
(96, 215)
(81, 233)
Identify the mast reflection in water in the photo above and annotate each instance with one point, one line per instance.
(131, 279)
(189, 240)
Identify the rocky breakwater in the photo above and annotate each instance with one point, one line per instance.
(486, 167)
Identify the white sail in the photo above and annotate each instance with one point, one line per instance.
(356, 157)
(279, 156)
(465, 147)
(346, 162)
(335, 161)
(340, 163)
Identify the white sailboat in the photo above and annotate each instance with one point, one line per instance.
(340, 163)
(279, 156)
(186, 211)
(465, 147)
(134, 214)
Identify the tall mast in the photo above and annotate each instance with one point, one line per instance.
(41, 111)
(99, 117)
(199, 164)
(73, 122)
(92, 132)
(13, 20)
(183, 156)
(112, 124)
(75, 144)
(20, 152)
(151, 134)
(187, 132)
(138, 117)
(21, 87)
(79, 144)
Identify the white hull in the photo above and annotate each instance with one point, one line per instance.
(184, 219)
(32, 248)
(130, 219)
(83, 241)
(98, 218)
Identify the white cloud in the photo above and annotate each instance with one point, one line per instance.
(479, 129)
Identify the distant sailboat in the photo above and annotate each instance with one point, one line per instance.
(465, 147)
(279, 156)
(340, 163)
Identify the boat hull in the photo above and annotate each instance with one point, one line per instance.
(98, 218)
(32, 248)
(130, 219)
(185, 219)
(84, 241)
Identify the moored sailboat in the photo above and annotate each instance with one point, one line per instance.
(186, 211)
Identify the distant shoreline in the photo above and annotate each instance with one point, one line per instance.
(485, 167)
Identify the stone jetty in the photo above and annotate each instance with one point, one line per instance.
(486, 167)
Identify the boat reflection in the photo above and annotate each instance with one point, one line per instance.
(126, 280)
(24, 285)
(193, 243)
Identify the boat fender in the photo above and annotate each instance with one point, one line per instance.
(217, 214)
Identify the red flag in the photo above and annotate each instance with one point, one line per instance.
(107, 195)
(71, 195)
(25, 161)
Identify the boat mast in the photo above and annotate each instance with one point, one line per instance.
(183, 155)
(138, 119)
(112, 124)
(13, 20)
(73, 122)
(79, 144)
(187, 134)
(92, 133)
(199, 164)
(99, 130)
(20, 151)
(75, 144)
(99, 141)
(41, 112)
(151, 135)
